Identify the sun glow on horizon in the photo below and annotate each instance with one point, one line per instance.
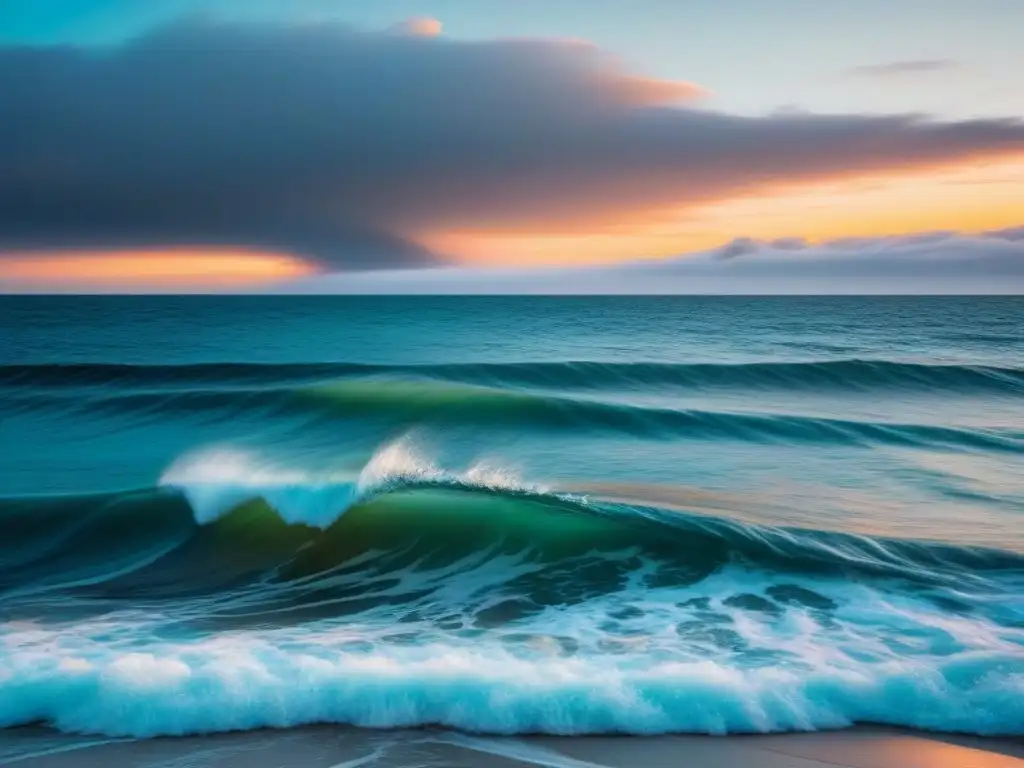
(972, 197)
(146, 269)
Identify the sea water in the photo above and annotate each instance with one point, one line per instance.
(511, 515)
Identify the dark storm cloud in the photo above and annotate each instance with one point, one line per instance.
(343, 147)
(913, 67)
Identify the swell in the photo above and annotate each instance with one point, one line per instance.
(404, 403)
(448, 404)
(850, 374)
(148, 543)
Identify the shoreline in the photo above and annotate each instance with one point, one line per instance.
(329, 746)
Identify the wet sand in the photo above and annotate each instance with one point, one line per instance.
(340, 747)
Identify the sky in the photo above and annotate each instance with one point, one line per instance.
(488, 146)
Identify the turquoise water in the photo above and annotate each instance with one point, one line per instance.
(511, 515)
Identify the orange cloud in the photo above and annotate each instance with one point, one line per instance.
(170, 269)
(648, 91)
(420, 26)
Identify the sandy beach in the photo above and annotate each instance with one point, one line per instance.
(340, 747)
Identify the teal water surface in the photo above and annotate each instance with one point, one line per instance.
(511, 515)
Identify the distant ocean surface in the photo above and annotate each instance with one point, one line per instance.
(511, 515)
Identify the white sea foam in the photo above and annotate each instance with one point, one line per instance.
(618, 662)
(245, 681)
(217, 480)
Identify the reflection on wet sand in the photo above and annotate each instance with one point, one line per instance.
(335, 747)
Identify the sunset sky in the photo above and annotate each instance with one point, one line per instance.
(179, 145)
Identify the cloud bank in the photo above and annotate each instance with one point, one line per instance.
(344, 147)
(930, 262)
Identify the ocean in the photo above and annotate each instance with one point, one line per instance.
(511, 515)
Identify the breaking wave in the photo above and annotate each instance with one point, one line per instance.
(242, 594)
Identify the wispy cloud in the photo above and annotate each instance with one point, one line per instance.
(911, 67)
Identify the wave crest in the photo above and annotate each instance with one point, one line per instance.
(216, 481)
